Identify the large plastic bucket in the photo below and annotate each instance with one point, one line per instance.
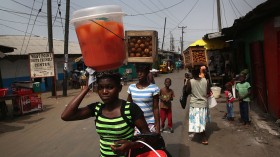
(101, 36)
(216, 91)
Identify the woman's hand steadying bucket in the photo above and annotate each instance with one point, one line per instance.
(121, 147)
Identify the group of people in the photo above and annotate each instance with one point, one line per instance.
(146, 109)
(243, 91)
(117, 120)
(78, 79)
(197, 86)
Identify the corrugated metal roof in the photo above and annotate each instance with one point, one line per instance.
(36, 44)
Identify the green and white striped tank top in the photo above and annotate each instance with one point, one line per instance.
(113, 129)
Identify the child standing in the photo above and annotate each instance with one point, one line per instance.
(243, 92)
(166, 96)
(230, 99)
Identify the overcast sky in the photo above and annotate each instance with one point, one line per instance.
(198, 16)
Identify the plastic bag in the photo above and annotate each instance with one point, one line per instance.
(211, 101)
(183, 98)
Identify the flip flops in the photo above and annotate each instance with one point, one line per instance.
(204, 142)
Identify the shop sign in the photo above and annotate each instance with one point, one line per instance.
(214, 35)
(41, 65)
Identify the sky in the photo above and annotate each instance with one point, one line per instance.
(198, 17)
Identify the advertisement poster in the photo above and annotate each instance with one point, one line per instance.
(41, 65)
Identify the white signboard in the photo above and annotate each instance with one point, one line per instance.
(41, 65)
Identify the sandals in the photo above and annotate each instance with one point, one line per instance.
(204, 142)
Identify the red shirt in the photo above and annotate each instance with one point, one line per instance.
(229, 96)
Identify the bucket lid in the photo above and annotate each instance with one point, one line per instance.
(92, 12)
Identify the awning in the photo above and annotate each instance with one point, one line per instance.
(210, 44)
(5, 49)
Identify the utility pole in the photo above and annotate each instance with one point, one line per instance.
(66, 38)
(163, 34)
(219, 16)
(50, 40)
(182, 42)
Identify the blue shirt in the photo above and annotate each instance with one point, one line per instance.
(144, 99)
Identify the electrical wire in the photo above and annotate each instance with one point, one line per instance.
(59, 4)
(34, 25)
(24, 38)
(138, 12)
(224, 13)
(150, 8)
(213, 14)
(185, 16)
(27, 23)
(235, 7)
(157, 10)
(167, 10)
(248, 4)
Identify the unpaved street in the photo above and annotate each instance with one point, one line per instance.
(44, 134)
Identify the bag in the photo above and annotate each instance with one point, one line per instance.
(183, 99)
(211, 101)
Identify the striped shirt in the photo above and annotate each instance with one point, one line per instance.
(144, 99)
(113, 129)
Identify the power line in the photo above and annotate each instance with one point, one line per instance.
(138, 12)
(248, 4)
(185, 16)
(168, 10)
(224, 11)
(235, 7)
(157, 10)
(163, 11)
(34, 25)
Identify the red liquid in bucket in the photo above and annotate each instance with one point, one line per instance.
(102, 49)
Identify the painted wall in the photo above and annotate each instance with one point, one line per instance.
(251, 35)
(272, 62)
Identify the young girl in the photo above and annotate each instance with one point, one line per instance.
(146, 96)
(166, 96)
(230, 99)
(111, 124)
(243, 93)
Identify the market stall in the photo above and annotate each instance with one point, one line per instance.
(28, 97)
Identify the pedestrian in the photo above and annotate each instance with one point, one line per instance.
(212, 65)
(243, 89)
(198, 89)
(177, 65)
(115, 118)
(166, 96)
(74, 79)
(83, 79)
(188, 76)
(146, 96)
(151, 78)
(229, 102)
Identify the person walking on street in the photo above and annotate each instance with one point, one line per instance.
(166, 96)
(243, 89)
(151, 78)
(146, 96)
(114, 118)
(199, 90)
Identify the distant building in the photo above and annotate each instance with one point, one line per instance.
(14, 66)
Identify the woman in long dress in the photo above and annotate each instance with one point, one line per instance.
(198, 89)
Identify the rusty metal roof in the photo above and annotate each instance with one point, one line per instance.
(35, 44)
